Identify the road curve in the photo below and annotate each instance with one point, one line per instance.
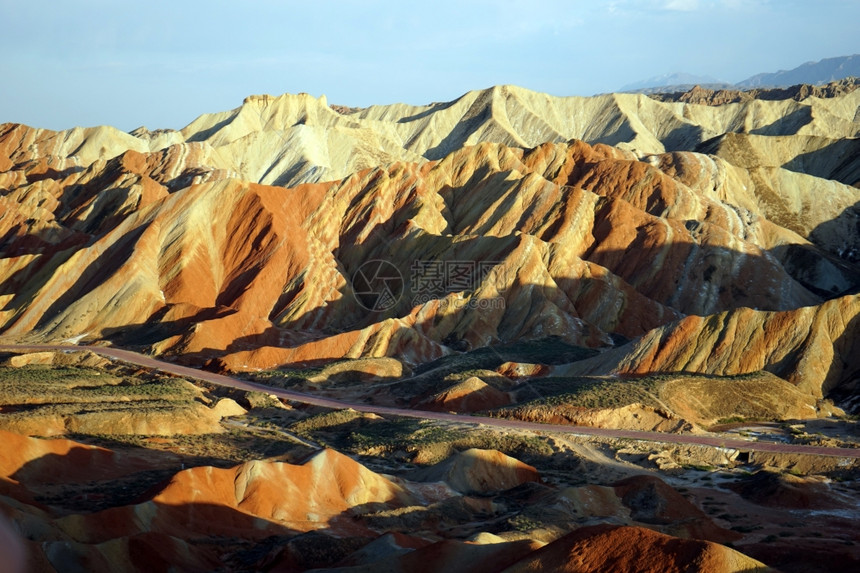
(226, 381)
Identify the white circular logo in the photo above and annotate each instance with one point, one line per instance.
(377, 285)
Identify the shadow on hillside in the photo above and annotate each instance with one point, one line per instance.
(681, 260)
(42, 242)
(25, 283)
(831, 269)
(105, 265)
(433, 108)
(787, 125)
(683, 138)
(818, 271)
(207, 133)
(51, 173)
(155, 329)
(472, 121)
(184, 537)
(842, 383)
(844, 229)
(86, 465)
(838, 161)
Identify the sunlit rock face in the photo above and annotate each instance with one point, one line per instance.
(504, 215)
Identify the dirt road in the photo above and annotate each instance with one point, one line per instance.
(226, 381)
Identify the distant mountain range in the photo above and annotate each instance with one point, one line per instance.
(827, 70)
(674, 79)
(814, 73)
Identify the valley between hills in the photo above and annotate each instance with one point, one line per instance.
(507, 332)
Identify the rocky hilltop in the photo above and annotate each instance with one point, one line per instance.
(719, 96)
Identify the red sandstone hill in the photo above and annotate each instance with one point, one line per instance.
(161, 249)
(612, 548)
(248, 502)
(584, 242)
(814, 348)
(204, 516)
(181, 243)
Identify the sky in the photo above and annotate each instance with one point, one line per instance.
(163, 63)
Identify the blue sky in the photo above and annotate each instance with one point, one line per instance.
(161, 64)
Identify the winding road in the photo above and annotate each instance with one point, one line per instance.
(226, 381)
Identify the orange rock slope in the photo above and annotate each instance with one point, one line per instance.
(582, 242)
(480, 472)
(270, 515)
(181, 242)
(248, 502)
(614, 548)
(815, 348)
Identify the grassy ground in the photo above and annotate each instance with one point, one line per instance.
(545, 351)
(409, 439)
(35, 384)
(589, 392)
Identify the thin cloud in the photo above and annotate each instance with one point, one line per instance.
(681, 5)
(695, 5)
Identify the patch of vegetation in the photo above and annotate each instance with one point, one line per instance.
(291, 378)
(405, 519)
(223, 450)
(114, 398)
(550, 350)
(165, 388)
(402, 432)
(301, 373)
(44, 373)
(237, 446)
(522, 523)
(746, 528)
(588, 392)
(698, 468)
(32, 385)
(325, 421)
(278, 380)
(345, 430)
(438, 375)
(99, 495)
(731, 420)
